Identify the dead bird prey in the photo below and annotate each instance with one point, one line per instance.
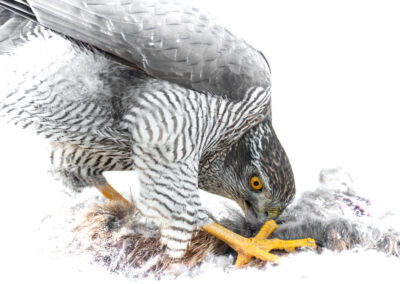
(334, 215)
(189, 109)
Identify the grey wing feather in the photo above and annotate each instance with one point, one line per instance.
(166, 39)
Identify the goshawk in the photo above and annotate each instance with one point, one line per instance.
(188, 108)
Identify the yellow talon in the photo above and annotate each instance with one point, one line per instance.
(111, 194)
(288, 246)
(258, 246)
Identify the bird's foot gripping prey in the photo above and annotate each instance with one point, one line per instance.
(246, 248)
(259, 246)
(188, 108)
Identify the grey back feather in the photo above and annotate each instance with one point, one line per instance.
(166, 39)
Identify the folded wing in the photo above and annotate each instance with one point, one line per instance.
(166, 39)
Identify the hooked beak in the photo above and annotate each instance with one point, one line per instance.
(260, 215)
(273, 212)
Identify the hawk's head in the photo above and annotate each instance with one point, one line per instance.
(257, 174)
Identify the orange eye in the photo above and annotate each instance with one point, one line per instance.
(256, 183)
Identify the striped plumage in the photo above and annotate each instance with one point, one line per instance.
(178, 123)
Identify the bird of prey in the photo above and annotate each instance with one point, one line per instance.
(159, 88)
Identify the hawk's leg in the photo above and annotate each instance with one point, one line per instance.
(111, 194)
(258, 246)
(168, 194)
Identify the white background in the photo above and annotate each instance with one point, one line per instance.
(336, 70)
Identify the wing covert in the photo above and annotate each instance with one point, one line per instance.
(166, 39)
